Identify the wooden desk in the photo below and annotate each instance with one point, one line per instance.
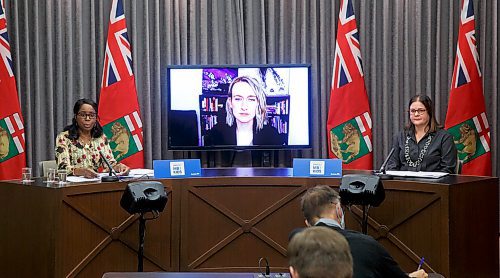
(191, 275)
(229, 218)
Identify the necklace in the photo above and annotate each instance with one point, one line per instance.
(85, 140)
(420, 155)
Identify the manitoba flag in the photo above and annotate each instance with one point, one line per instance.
(118, 106)
(12, 146)
(349, 118)
(125, 135)
(466, 117)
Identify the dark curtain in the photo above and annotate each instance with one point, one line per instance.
(408, 47)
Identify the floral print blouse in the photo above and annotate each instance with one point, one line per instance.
(71, 154)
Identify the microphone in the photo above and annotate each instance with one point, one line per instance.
(109, 178)
(382, 172)
(268, 270)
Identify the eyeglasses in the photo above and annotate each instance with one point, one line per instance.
(417, 111)
(85, 115)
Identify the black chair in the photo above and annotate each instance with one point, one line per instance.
(183, 128)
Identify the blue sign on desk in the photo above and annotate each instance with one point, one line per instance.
(177, 168)
(304, 167)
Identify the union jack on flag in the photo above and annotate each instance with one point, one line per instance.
(118, 57)
(4, 42)
(467, 59)
(347, 49)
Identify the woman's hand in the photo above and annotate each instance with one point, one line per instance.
(87, 173)
(121, 169)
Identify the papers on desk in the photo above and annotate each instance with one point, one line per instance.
(432, 175)
(136, 173)
(82, 179)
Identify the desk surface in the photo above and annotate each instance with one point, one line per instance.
(191, 275)
(254, 172)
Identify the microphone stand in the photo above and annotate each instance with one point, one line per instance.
(109, 178)
(382, 172)
(142, 234)
(140, 252)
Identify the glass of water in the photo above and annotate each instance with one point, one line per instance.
(26, 174)
(62, 176)
(51, 175)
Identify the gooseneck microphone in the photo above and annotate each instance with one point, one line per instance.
(109, 178)
(381, 173)
(268, 270)
(384, 165)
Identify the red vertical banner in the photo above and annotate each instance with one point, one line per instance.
(12, 143)
(349, 118)
(118, 105)
(466, 116)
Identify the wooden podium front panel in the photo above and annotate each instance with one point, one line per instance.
(97, 235)
(26, 230)
(473, 235)
(79, 231)
(452, 223)
(228, 224)
(412, 223)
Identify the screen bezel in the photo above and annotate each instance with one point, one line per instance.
(166, 94)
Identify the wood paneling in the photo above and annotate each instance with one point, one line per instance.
(228, 219)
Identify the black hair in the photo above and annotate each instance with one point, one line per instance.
(73, 130)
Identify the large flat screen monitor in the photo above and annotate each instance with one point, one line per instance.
(238, 107)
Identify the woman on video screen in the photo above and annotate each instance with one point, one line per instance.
(246, 119)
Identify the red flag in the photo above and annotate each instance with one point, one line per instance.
(118, 106)
(349, 118)
(12, 144)
(466, 116)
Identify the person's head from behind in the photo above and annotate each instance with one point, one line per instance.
(85, 119)
(321, 201)
(246, 102)
(421, 114)
(319, 252)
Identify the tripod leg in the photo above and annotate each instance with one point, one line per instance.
(365, 220)
(140, 252)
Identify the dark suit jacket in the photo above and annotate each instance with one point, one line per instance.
(369, 257)
(223, 135)
(441, 154)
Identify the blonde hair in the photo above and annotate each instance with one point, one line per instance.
(261, 113)
(320, 252)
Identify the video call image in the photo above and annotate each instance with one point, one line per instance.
(239, 107)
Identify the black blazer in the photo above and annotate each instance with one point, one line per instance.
(370, 259)
(223, 135)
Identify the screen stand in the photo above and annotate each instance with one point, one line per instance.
(266, 159)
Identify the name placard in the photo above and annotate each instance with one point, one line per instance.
(305, 167)
(177, 168)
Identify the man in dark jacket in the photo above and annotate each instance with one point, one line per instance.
(321, 207)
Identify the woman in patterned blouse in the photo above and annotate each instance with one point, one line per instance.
(79, 146)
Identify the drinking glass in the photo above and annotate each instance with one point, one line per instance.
(51, 175)
(26, 174)
(62, 175)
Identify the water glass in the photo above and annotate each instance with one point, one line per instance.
(51, 175)
(62, 175)
(26, 174)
